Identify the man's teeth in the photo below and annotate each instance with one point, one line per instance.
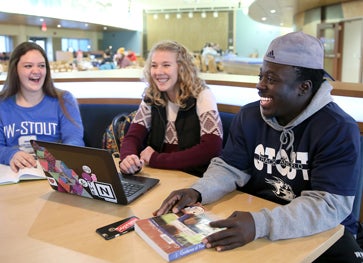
(265, 99)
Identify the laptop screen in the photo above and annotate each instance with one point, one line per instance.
(69, 172)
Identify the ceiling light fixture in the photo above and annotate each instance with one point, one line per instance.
(190, 14)
(203, 14)
(215, 14)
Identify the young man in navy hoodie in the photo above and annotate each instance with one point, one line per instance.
(295, 147)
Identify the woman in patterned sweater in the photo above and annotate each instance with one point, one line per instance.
(177, 125)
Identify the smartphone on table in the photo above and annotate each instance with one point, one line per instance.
(118, 228)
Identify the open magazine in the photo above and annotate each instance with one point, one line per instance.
(8, 176)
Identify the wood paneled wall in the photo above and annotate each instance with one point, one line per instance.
(191, 32)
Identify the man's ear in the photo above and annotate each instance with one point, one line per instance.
(305, 87)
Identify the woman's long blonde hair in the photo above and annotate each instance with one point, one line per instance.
(189, 82)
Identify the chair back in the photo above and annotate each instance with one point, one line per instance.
(358, 196)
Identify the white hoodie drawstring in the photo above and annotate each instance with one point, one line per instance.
(287, 137)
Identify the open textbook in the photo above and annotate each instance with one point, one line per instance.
(8, 176)
(176, 235)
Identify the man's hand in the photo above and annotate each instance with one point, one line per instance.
(177, 200)
(240, 230)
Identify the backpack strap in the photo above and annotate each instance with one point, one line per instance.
(121, 124)
(116, 131)
(117, 122)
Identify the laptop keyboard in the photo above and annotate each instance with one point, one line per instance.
(131, 188)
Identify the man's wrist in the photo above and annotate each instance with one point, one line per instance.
(199, 196)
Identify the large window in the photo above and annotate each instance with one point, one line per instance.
(6, 44)
(40, 41)
(75, 44)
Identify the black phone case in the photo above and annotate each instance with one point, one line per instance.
(117, 228)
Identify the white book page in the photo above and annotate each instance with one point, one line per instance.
(8, 176)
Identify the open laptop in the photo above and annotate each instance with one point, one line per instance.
(88, 172)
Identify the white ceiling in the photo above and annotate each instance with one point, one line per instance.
(285, 10)
(186, 4)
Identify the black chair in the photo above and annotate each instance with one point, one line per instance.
(358, 196)
(97, 117)
(226, 118)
